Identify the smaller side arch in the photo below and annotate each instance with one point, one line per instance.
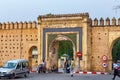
(33, 56)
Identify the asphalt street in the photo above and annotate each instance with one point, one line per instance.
(64, 76)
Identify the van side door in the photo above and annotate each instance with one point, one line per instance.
(25, 67)
(18, 70)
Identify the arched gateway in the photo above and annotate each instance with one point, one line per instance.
(55, 28)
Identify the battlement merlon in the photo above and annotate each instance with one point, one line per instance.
(20, 25)
(105, 23)
(55, 17)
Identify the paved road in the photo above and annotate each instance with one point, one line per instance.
(58, 76)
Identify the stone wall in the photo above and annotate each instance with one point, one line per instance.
(16, 39)
(98, 38)
(103, 35)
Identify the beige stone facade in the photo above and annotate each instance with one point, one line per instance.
(17, 40)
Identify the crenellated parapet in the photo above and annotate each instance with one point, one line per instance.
(20, 25)
(109, 23)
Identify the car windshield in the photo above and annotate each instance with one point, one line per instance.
(9, 65)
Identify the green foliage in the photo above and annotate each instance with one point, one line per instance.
(65, 47)
(116, 51)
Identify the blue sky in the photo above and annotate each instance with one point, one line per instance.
(29, 10)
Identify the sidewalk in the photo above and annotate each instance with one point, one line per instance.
(61, 70)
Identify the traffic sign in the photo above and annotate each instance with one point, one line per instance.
(79, 54)
(104, 57)
(104, 65)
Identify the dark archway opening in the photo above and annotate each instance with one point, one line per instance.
(116, 51)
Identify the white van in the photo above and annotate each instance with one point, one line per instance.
(13, 68)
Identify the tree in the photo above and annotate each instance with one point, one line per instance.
(65, 48)
(116, 51)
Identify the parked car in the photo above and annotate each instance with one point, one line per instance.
(14, 68)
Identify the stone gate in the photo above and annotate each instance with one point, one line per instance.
(94, 38)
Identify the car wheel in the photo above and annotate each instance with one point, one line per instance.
(26, 74)
(13, 76)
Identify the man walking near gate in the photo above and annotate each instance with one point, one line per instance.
(115, 67)
(72, 67)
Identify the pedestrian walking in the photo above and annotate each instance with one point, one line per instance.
(72, 67)
(67, 67)
(115, 68)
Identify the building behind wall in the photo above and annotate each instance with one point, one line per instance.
(98, 36)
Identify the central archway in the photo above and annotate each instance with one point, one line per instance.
(58, 48)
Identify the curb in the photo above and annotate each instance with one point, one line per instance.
(77, 72)
(80, 72)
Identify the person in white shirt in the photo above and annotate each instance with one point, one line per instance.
(42, 67)
(115, 67)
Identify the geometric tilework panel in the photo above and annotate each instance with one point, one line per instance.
(46, 30)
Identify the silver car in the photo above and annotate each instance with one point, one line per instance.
(13, 68)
